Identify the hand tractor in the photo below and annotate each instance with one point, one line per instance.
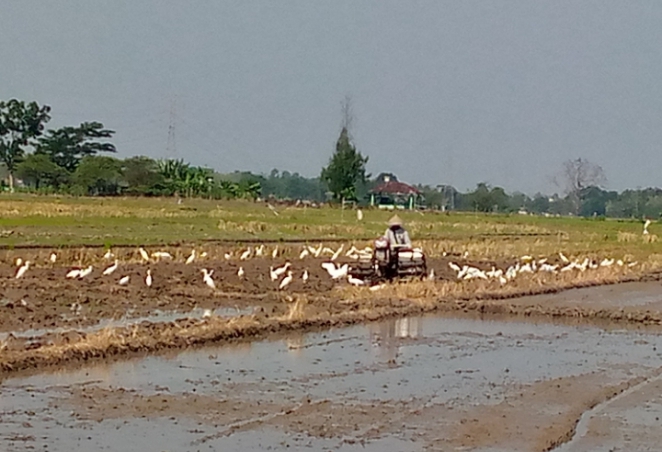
(388, 263)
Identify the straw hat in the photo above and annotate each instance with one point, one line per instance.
(395, 221)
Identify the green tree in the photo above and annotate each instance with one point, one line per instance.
(20, 124)
(346, 169)
(38, 170)
(142, 177)
(98, 175)
(67, 146)
(175, 173)
(539, 204)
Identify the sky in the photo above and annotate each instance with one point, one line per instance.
(443, 92)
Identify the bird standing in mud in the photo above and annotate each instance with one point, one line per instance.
(246, 254)
(335, 272)
(275, 273)
(191, 258)
(206, 277)
(109, 270)
(286, 281)
(161, 255)
(124, 280)
(52, 258)
(86, 271)
(241, 272)
(305, 276)
(74, 273)
(355, 281)
(22, 269)
(143, 254)
(337, 252)
(148, 278)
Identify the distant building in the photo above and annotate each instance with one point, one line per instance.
(392, 194)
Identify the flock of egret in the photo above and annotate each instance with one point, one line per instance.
(527, 264)
(282, 275)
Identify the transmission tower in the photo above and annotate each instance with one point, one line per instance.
(171, 147)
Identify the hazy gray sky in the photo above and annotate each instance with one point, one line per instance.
(444, 91)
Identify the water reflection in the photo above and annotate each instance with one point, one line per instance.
(388, 336)
(295, 343)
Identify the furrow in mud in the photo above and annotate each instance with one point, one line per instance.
(144, 337)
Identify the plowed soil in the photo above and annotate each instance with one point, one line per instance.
(45, 299)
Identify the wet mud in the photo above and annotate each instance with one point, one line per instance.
(417, 383)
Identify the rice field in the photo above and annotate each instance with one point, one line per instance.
(67, 221)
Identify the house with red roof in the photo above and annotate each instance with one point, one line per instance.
(393, 194)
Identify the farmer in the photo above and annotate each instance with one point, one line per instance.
(396, 234)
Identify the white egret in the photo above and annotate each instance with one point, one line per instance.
(18, 262)
(286, 281)
(86, 271)
(191, 258)
(109, 255)
(161, 255)
(206, 277)
(355, 281)
(148, 278)
(337, 253)
(335, 272)
(274, 274)
(305, 276)
(246, 254)
(274, 253)
(241, 272)
(124, 280)
(74, 273)
(227, 256)
(377, 287)
(143, 254)
(22, 269)
(109, 270)
(646, 224)
(304, 253)
(351, 251)
(53, 258)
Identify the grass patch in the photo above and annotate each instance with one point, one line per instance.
(67, 221)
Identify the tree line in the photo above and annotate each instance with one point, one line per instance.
(78, 160)
(67, 160)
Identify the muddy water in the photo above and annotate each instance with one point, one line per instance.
(406, 384)
(157, 316)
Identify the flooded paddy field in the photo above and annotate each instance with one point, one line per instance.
(416, 383)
